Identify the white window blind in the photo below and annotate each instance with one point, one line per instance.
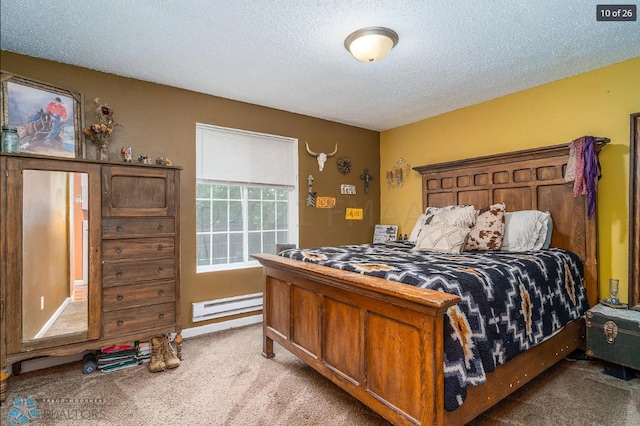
(231, 155)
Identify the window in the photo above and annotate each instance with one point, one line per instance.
(246, 196)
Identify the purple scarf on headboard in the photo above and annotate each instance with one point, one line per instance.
(591, 172)
(587, 171)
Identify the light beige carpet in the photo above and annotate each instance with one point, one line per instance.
(224, 380)
(73, 319)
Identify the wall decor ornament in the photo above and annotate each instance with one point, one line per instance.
(398, 173)
(346, 189)
(99, 132)
(325, 202)
(322, 157)
(366, 177)
(344, 165)
(354, 213)
(311, 196)
(47, 119)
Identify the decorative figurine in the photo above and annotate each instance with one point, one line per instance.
(366, 177)
(163, 161)
(126, 154)
(144, 159)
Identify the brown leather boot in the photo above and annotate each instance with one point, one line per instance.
(156, 363)
(170, 358)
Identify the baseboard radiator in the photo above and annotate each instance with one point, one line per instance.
(229, 306)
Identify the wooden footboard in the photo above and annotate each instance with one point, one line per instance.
(380, 341)
(383, 341)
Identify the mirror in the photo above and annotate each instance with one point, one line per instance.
(55, 236)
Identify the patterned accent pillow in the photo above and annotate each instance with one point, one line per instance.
(415, 232)
(432, 211)
(488, 232)
(442, 239)
(462, 216)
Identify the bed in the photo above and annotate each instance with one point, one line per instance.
(384, 341)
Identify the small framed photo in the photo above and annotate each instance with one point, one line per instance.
(48, 118)
(385, 233)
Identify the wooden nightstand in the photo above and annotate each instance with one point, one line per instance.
(613, 335)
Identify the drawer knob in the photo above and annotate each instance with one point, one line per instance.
(119, 274)
(160, 270)
(120, 322)
(160, 227)
(118, 228)
(610, 331)
(119, 297)
(161, 315)
(118, 250)
(160, 247)
(160, 292)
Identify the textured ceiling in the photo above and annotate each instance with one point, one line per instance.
(289, 54)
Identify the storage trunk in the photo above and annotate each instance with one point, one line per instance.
(613, 335)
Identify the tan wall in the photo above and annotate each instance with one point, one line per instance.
(597, 103)
(159, 120)
(46, 243)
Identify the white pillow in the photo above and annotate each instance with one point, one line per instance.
(547, 240)
(415, 232)
(463, 216)
(442, 239)
(525, 230)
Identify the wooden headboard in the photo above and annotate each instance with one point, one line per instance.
(523, 180)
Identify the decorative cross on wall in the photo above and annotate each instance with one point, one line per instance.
(366, 177)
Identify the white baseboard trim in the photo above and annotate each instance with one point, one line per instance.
(53, 318)
(219, 326)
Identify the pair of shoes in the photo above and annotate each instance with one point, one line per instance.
(162, 355)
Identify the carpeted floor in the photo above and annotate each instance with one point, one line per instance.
(72, 320)
(224, 380)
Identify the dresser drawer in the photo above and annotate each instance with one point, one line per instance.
(137, 227)
(115, 323)
(123, 273)
(139, 191)
(131, 296)
(138, 248)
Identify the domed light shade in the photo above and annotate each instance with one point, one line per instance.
(371, 44)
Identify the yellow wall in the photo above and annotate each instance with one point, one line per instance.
(596, 103)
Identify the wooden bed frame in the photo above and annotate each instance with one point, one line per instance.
(382, 341)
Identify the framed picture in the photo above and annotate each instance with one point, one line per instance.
(385, 233)
(48, 118)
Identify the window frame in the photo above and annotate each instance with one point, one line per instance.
(291, 199)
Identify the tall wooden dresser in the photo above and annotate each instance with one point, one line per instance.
(139, 256)
(131, 249)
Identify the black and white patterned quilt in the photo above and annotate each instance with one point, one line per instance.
(510, 301)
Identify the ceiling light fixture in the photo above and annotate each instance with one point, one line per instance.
(371, 44)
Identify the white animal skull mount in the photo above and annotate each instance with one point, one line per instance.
(322, 157)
